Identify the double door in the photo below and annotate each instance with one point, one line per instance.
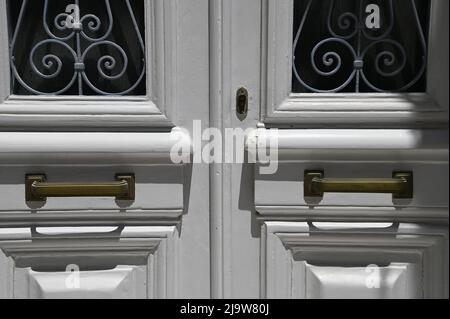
(116, 179)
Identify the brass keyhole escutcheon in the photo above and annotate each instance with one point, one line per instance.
(242, 103)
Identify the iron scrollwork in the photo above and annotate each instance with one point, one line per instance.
(77, 45)
(387, 56)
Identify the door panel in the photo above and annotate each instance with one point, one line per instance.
(343, 50)
(286, 186)
(199, 230)
(158, 245)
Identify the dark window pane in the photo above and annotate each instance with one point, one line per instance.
(98, 49)
(360, 46)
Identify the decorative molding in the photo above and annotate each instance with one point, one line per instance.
(151, 113)
(153, 247)
(22, 148)
(84, 218)
(286, 246)
(281, 108)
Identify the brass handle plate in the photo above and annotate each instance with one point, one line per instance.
(37, 189)
(400, 186)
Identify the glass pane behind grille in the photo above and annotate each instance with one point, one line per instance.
(360, 46)
(82, 47)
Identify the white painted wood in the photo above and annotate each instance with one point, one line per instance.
(358, 148)
(361, 214)
(95, 157)
(396, 281)
(6, 265)
(83, 139)
(439, 54)
(286, 186)
(352, 154)
(137, 262)
(119, 283)
(77, 218)
(302, 260)
(155, 111)
(195, 230)
(235, 63)
(153, 183)
(22, 148)
(217, 170)
(4, 54)
(350, 145)
(190, 87)
(281, 108)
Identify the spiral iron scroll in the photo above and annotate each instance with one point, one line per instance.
(78, 29)
(350, 30)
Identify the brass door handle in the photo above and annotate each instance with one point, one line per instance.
(400, 186)
(37, 189)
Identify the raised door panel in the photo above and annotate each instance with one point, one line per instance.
(394, 281)
(340, 155)
(356, 261)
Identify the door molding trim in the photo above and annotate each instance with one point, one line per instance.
(22, 148)
(281, 108)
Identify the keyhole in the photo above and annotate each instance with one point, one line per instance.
(242, 103)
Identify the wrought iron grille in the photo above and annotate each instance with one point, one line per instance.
(77, 47)
(360, 46)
